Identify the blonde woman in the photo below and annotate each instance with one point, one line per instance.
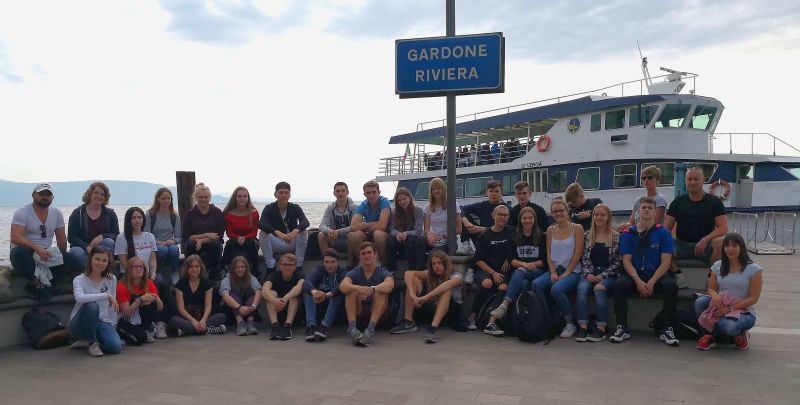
(564, 249)
(600, 262)
(435, 222)
(203, 228)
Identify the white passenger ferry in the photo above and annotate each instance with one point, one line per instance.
(603, 143)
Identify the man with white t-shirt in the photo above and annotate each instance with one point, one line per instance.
(32, 229)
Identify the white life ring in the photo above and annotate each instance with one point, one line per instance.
(726, 189)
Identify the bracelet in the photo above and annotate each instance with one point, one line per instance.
(240, 307)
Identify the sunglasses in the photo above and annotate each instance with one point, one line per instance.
(45, 193)
(43, 229)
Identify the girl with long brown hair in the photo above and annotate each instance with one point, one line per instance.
(440, 284)
(406, 232)
(241, 219)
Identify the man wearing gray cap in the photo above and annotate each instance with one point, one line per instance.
(32, 229)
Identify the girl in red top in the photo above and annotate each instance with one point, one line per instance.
(139, 305)
(241, 219)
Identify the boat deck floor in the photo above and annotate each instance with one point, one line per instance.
(463, 368)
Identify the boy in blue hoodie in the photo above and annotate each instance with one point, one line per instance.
(321, 292)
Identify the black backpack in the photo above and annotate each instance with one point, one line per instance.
(685, 325)
(482, 318)
(45, 329)
(532, 320)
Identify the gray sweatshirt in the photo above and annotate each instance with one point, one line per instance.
(162, 228)
(332, 219)
(86, 291)
(419, 217)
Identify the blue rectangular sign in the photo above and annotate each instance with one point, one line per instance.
(464, 64)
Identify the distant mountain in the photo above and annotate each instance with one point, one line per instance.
(123, 192)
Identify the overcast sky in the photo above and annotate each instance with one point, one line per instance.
(254, 92)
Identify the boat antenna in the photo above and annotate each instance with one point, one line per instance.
(645, 71)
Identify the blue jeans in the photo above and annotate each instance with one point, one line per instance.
(559, 291)
(87, 325)
(521, 281)
(585, 289)
(330, 313)
(82, 256)
(726, 326)
(168, 258)
(543, 280)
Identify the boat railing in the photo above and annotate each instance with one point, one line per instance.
(753, 143)
(772, 233)
(437, 160)
(605, 91)
(746, 224)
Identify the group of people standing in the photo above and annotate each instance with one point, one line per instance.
(483, 154)
(517, 249)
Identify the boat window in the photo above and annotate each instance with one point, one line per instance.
(642, 115)
(794, 169)
(667, 172)
(595, 125)
(508, 183)
(746, 171)
(558, 181)
(459, 188)
(537, 179)
(422, 191)
(615, 119)
(476, 187)
(589, 178)
(702, 116)
(708, 169)
(625, 175)
(673, 116)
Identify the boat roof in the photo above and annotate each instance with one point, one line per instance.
(577, 106)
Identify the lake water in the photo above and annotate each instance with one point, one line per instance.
(313, 210)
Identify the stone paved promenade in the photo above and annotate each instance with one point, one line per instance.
(463, 368)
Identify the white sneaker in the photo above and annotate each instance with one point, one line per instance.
(161, 330)
(94, 350)
(500, 311)
(569, 331)
(79, 344)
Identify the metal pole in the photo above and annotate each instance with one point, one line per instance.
(451, 143)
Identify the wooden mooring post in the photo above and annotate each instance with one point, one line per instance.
(184, 182)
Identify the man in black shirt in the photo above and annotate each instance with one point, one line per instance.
(580, 207)
(523, 193)
(701, 221)
(481, 212)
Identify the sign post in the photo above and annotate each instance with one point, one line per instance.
(449, 66)
(451, 145)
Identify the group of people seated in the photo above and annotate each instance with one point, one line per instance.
(219, 285)
(483, 154)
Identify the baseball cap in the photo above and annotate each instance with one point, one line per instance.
(42, 186)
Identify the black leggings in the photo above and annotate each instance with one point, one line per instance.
(249, 250)
(210, 253)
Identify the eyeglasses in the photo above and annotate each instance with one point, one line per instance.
(501, 215)
(45, 193)
(43, 229)
(137, 267)
(559, 211)
(648, 178)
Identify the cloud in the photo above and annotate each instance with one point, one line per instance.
(228, 23)
(579, 30)
(6, 69)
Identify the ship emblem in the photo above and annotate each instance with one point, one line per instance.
(574, 125)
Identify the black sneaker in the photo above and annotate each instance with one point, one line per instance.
(311, 333)
(404, 327)
(322, 332)
(582, 335)
(668, 336)
(597, 336)
(493, 329)
(286, 331)
(275, 334)
(430, 335)
(620, 335)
